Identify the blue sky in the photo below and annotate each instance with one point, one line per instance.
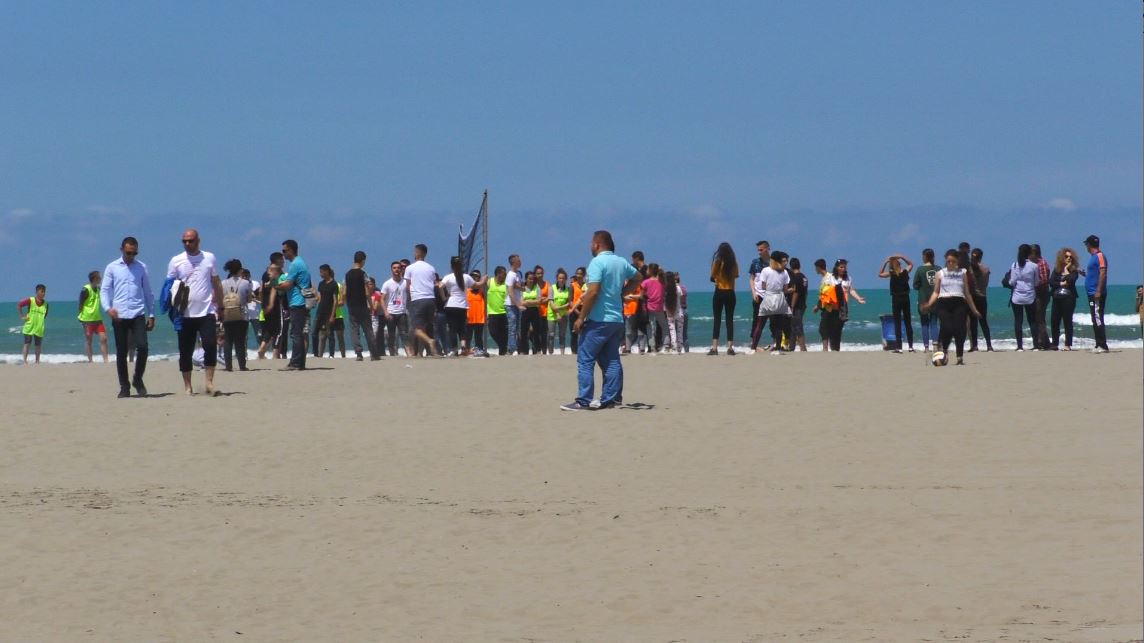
(831, 129)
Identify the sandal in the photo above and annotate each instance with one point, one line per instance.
(713, 351)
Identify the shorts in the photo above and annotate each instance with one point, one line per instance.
(421, 314)
(796, 326)
(28, 339)
(92, 327)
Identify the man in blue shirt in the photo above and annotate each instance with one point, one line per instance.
(126, 296)
(294, 283)
(1096, 285)
(601, 324)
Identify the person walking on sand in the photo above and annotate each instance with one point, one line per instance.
(724, 272)
(953, 298)
(125, 295)
(91, 317)
(195, 269)
(601, 325)
(357, 296)
(34, 320)
(1096, 286)
(421, 283)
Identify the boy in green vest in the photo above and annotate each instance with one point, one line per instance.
(33, 320)
(90, 315)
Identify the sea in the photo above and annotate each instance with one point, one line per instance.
(63, 340)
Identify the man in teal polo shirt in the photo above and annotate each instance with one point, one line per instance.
(601, 324)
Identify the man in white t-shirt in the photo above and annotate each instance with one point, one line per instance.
(394, 296)
(514, 286)
(421, 281)
(195, 269)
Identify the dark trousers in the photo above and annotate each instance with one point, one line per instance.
(830, 329)
(1063, 309)
(235, 343)
(951, 313)
(1096, 310)
(458, 322)
(542, 333)
(498, 330)
(530, 332)
(298, 317)
(1041, 336)
(397, 332)
(1029, 311)
(780, 326)
(362, 319)
(475, 336)
(900, 306)
(192, 330)
(982, 304)
(723, 302)
(130, 333)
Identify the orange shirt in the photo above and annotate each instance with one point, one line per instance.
(577, 292)
(544, 295)
(476, 307)
(630, 307)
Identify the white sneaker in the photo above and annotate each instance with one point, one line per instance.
(776, 352)
(1098, 350)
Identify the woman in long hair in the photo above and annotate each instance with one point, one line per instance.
(1063, 284)
(899, 296)
(272, 317)
(953, 298)
(673, 309)
(559, 304)
(846, 285)
(724, 272)
(980, 273)
(1023, 281)
(454, 287)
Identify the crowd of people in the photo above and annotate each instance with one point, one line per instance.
(422, 312)
(952, 302)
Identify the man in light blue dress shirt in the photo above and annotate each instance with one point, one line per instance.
(126, 296)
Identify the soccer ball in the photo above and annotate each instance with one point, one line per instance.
(939, 359)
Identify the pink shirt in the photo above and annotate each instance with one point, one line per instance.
(653, 290)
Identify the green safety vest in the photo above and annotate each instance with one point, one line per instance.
(559, 298)
(90, 311)
(339, 311)
(36, 314)
(531, 294)
(496, 296)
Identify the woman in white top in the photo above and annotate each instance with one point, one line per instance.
(1023, 281)
(954, 299)
(454, 286)
(772, 285)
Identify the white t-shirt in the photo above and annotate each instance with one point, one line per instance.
(775, 280)
(394, 294)
(457, 296)
(198, 273)
(511, 280)
(952, 283)
(422, 279)
(255, 304)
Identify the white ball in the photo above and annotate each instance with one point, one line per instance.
(939, 359)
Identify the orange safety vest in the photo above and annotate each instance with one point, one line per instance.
(476, 307)
(633, 306)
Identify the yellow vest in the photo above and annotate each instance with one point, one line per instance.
(90, 311)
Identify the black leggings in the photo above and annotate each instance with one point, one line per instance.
(530, 331)
(951, 314)
(235, 343)
(900, 306)
(1063, 310)
(982, 305)
(458, 320)
(780, 330)
(723, 301)
(830, 329)
(1029, 311)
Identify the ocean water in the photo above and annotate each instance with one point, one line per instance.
(63, 341)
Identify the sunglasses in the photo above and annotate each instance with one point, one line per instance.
(129, 254)
(186, 241)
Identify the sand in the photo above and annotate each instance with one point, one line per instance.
(814, 497)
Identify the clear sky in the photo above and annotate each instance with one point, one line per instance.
(830, 128)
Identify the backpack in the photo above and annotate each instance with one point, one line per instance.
(1007, 280)
(232, 310)
(827, 297)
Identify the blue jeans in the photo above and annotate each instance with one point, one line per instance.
(299, 315)
(929, 328)
(513, 325)
(600, 344)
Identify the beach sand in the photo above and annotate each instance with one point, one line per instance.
(813, 497)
